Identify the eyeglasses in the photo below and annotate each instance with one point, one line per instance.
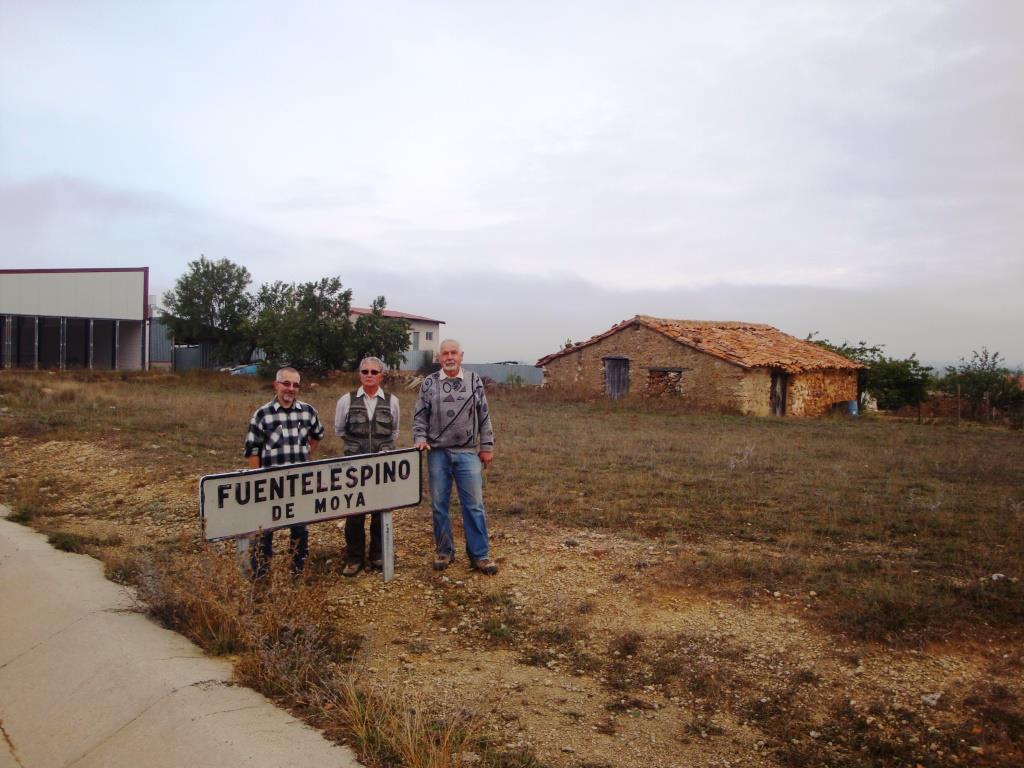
(368, 372)
(290, 384)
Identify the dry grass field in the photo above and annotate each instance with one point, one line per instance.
(675, 589)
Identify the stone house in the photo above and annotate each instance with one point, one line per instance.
(748, 368)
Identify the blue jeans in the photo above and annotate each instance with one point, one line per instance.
(445, 466)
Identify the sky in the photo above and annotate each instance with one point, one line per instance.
(533, 172)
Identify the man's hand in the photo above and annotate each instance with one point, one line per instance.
(486, 457)
(421, 445)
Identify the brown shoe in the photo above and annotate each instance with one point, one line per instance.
(485, 565)
(442, 561)
(352, 569)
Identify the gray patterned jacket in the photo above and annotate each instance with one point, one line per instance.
(452, 413)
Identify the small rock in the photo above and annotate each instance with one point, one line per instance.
(568, 750)
(931, 699)
(998, 576)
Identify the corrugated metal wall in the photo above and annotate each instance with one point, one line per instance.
(161, 345)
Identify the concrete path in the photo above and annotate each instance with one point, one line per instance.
(86, 681)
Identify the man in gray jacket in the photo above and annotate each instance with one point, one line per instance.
(452, 422)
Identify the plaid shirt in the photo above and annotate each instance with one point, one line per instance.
(280, 435)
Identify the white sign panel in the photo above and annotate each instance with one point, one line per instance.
(241, 503)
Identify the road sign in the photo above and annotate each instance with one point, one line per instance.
(240, 503)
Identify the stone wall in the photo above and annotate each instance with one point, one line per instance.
(660, 367)
(756, 392)
(703, 381)
(814, 393)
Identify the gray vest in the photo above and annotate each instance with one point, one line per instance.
(366, 435)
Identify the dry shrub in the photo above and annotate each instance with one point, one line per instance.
(29, 500)
(387, 728)
(289, 648)
(201, 595)
(69, 541)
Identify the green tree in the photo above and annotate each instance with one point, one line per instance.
(210, 304)
(984, 382)
(379, 336)
(276, 331)
(896, 383)
(305, 324)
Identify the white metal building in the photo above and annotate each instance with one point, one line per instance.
(74, 318)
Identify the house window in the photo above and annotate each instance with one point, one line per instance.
(430, 335)
(415, 340)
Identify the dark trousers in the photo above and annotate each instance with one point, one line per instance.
(355, 538)
(298, 544)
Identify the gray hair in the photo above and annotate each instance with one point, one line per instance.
(458, 347)
(286, 369)
(372, 359)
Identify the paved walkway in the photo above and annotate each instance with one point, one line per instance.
(86, 681)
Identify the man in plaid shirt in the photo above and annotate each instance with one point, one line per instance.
(284, 431)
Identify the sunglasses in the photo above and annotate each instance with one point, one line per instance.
(368, 372)
(289, 384)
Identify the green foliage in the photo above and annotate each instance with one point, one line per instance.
(893, 382)
(210, 304)
(379, 336)
(985, 382)
(896, 383)
(860, 352)
(305, 324)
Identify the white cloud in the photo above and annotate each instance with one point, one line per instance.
(810, 151)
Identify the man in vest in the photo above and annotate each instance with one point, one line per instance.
(367, 421)
(452, 422)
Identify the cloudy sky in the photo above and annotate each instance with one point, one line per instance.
(535, 171)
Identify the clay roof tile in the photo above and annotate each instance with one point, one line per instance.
(749, 345)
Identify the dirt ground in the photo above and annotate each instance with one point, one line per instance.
(582, 651)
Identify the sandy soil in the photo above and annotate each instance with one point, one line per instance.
(582, 649)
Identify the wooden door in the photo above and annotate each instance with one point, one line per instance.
(616, 377)
(780, 380)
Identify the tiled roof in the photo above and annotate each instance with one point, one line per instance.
(393, 313)
(748, 345)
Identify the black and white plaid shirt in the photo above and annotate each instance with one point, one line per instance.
(280, 435)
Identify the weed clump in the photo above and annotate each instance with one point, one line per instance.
(68, 541)
(30, 501)
(290, 648)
